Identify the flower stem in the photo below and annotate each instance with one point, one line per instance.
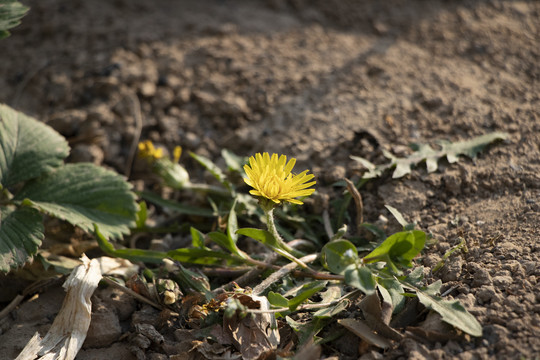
(270, 223)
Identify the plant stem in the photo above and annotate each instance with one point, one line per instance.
(270, 223)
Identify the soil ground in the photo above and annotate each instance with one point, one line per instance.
(320, 81)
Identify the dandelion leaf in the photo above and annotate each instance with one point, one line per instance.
(429, 155)
(452, 312)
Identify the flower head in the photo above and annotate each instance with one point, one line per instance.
(148, 151)
(271, 178)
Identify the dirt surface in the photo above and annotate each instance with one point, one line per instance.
(317, 80)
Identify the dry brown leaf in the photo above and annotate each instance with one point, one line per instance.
(363, 331)
(378, 316)
(68, 331)
(255, 334)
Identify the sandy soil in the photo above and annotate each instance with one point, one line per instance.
(318, 80)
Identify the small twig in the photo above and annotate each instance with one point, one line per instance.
(259, 289)
(449, 290)
(224, 272)
(348, 296)
(11, 306)
(137, 114)
(134, 294)
(249, 276)
(33, 288)
(358, 201)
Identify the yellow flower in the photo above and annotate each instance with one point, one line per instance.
(148, 151)
(177, 153)
(272, 179)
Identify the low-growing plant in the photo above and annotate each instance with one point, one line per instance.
(34, 181)
(320, 274)
(11, 12)
(384, 268)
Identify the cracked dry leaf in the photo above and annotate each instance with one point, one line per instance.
(68, 331)
(255, 334)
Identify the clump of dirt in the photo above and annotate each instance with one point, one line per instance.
(320, 81)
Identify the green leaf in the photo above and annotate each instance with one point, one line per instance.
(213, 168)
(307, 291)
(277, 300)
(332, 293)
(233, 161)
(331, 311)
(398, 249)
(379, 233)
(225, 242)
(392, 291)
(337, 255)
(373, 171)
(262, 236)
(197, 238)
(84, 194)
(141, 216)
(267, 239)
(21, 234)
(452, 312)
(424, 152)
(185, 255)
(399, 217)
(307, 330)
(188, 279)
(175, 206)
(232, 225)
(416, 276)
(361, 278)
(28, 148)
(11, 12)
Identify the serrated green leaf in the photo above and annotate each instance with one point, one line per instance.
(28, 148)
(84, 195)
(425, 153)
(361, 278)
(21, 234)
(337, 255)
(11, 13)
(452, 312)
